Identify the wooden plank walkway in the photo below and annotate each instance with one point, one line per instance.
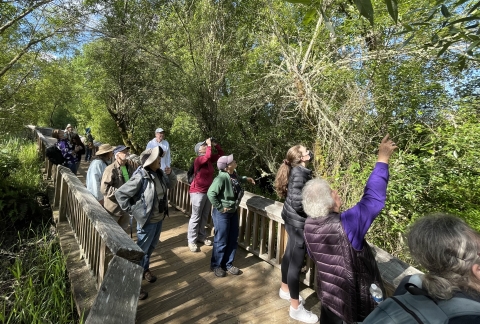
(186, 291)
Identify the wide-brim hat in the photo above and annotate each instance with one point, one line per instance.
(104, 148)
(224, 161)
(198, 145)
(150, 155)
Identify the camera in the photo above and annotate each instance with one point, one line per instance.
(161, 206)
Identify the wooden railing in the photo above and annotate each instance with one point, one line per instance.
(262, 232)
(109, 253)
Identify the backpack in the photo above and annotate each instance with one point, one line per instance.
(54, 154)
(416, 306)
(141, 193)
(191, 173)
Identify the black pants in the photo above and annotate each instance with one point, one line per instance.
(293, 260)
(328, 317)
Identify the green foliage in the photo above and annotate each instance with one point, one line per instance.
(21, 180)
(40, 292)
(183, 133)
(439, 175)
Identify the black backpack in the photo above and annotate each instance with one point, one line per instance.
(191, 173)
(416, 306)
(54, 154)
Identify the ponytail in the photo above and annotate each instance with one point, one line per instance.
(294, 158)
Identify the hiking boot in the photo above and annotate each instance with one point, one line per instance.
(193, 247)
(233, 270)
(207, 242)
(219, 272)
(143, 295)
(286, 295)
(302, 315)
(150, 277)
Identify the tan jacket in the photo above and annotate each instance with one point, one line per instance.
(113, 179)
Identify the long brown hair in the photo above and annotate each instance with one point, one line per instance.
(56, 133)
(294, 158)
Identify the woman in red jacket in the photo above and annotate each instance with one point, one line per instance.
(202, 179)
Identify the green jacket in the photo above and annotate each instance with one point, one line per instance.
(221, 193)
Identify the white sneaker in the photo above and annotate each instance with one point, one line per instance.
(286, 295)
(302, 315)
(193, 247)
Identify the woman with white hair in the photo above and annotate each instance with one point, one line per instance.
(345, 264)
(449, 250)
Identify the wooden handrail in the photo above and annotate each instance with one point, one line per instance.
(262, 232)
(103, 244)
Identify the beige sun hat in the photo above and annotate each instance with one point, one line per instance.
(104, 148)
(150, 155)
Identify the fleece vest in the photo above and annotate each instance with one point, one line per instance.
(344, 275)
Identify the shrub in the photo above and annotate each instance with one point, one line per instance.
(21, 182)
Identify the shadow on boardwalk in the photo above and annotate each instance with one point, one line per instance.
(186, 291)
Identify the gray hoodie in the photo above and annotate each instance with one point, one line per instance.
(143, 208)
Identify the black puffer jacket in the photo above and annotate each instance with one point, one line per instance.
(292, 212)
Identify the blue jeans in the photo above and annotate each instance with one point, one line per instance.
(88, 154)
(225, 239)
(147, 240)
(72, 166)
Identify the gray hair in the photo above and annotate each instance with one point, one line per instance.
(447, 247)
(317, 198)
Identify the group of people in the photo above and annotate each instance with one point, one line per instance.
(71, 147)
(346, 268)
(134, 190)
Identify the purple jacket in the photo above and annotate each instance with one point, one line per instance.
(67, 150)
(357, 220)
(345, 264)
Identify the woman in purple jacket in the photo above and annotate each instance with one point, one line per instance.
(67, 149)
(345, 264)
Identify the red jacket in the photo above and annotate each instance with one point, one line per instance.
(203, 170)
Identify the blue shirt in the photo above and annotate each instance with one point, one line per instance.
(94, 177)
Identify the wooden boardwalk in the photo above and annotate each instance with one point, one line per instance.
(186, 291)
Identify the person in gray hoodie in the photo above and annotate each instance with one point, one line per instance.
(144, 196)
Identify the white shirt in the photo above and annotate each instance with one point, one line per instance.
(166, 160)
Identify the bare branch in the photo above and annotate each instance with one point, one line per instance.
(23, 14)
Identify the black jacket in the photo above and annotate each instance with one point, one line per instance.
(292, 212)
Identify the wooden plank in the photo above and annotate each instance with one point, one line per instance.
(255, 230)
(117, 297)
(271, 233)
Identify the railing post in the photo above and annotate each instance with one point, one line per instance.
(48, 167)
(62, 209)
(58, 186)
(105, 257)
